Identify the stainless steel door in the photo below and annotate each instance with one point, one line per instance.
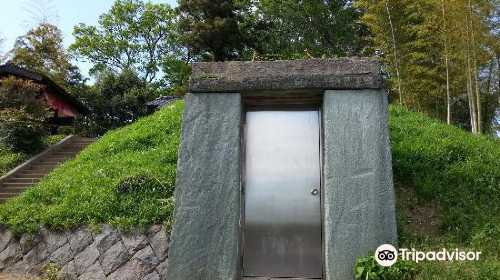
(282, 233)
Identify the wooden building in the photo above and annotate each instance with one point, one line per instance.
(63, 108)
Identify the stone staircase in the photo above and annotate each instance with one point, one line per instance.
(32, 171)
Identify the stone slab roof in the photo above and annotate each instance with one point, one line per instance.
(309, 74)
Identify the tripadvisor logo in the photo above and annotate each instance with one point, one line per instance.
(387, 255)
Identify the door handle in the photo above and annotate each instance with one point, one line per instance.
(314, 191)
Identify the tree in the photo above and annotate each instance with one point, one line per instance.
(2, 56)
(115, 100)
(446, 42)
(177, 72)
(323, 27)
(132, 36)
(438, 53)
(213, 27)
(21, 115)
(42, 50)
(394, 52)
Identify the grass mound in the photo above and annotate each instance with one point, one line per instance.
(126, 178)
(460, 170)
(451, 176)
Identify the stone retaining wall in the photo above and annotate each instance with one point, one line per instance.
(83, 254)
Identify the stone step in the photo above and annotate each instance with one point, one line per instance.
(31, 174)
(16, 185)
(52, 161)
(43, 166)
(14, 190)
(37, 170)
(23, 180)
(33, 171)
(64, 153)
(61, 155)
(57, 157)
(71, 150)
(4, 196)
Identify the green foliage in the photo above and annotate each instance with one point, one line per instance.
(140, 183)
(53, 139)
(51, 271)
(443, 51)
(20, 94)
(462, 270)
(443, 162)
(65, 130)
(134, 35)
(368, 268)
(21, 112)
(322, 27)
(10, 159)
(213, 27)
(42, 50)
(177, 74)
(116, 100)
(84, 190)
(20, 131)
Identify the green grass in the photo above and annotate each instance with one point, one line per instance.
(458, 171)
(444, 163)
(126, 178)
(9, 159)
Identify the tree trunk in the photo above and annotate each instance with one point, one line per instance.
(470, 94)
(445, 42)
(476, 82)
(396, 64)
(498, 73)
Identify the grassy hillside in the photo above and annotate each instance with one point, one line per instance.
(448, 194)
(451, 167)
(126, 178)
(447, 185)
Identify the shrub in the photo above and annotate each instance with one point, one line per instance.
(20, 131)
(140, 183)
(20, 94)
(65, 130)
(116, 100)
(368, 268)
(21, 115)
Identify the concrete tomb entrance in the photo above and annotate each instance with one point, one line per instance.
(282, 217)
(284, 171)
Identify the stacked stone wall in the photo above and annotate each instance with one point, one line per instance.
(84, 254)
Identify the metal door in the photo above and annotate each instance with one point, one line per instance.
(282, 233)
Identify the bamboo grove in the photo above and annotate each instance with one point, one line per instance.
(441, 57)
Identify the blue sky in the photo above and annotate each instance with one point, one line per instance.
(16, 20)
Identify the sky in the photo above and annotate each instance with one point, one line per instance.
(17, 20)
